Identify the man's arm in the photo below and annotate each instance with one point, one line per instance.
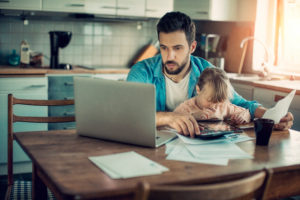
(183, 123)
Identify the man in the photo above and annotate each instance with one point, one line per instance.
(175, 72)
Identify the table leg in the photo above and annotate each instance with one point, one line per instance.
(39, 189)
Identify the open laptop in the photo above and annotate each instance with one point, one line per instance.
(117, 111)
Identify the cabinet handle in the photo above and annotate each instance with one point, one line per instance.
(69, 113)
(202, 12)
(4, 1)
(109, 7)
(37, 86)
(68, 83)
(151, 10)
(68, 98)
(278, 97)
(69, 127)
(123, 8)
(75, 5)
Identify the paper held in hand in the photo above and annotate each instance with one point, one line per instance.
(280, 109)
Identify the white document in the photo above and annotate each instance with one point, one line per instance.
(179, 152)
(127, 165)
(280, 109)
(226, 150)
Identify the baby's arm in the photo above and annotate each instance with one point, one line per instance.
(238, 115)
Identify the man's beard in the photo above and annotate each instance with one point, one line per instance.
(179, 69)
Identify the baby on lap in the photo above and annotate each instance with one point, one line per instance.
(213, 99)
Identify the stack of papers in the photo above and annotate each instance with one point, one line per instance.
(216, 152)
(127, 165)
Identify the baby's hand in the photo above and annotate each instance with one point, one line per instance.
(241, 118)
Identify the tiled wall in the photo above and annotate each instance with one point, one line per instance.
(94, 43)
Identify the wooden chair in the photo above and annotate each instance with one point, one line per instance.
(251, 187)
(12, 118)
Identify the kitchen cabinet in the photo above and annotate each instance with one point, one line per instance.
(268, 99)
(21, 4)
(64, 5)
(157, 8)
(131, 7)
(225, 10)
(27, 88)
(244, 90)
(105, 7)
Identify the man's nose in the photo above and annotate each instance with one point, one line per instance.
(171, 55)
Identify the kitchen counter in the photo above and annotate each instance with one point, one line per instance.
(277, 85)
(7, 71)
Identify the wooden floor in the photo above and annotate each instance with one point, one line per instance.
(3, 182)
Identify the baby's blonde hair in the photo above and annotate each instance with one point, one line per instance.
(219, 82)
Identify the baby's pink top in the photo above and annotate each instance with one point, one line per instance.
(217, 111)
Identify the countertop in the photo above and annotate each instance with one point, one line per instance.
(282, 85)
(7, 71)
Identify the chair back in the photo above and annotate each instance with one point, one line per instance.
(12, 118)
(250, 187)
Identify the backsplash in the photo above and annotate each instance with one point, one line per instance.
(94, 43)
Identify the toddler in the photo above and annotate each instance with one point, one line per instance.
(212, 101)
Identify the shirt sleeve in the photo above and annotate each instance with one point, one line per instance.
(240, 101)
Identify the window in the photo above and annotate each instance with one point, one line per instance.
(287, 44)
(278, 26)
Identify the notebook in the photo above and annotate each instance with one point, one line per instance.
(118, 111)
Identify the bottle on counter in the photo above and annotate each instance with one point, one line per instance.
(14, 58)
(25, 54)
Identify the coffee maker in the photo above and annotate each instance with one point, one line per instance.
(58, 39)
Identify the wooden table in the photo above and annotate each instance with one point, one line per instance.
(60, 162)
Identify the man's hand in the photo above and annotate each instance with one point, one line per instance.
(285, 123)
(183, 123)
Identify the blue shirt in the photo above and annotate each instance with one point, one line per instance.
(150, 71)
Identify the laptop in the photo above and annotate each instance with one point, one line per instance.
(118, 111)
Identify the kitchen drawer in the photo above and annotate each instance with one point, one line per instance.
(63, 83)
(269, 97)
(23, 85)
(61, 110)
(62, 126)
(59, 95)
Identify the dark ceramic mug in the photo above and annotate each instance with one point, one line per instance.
(263, 130)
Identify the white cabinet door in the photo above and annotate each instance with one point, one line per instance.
(21, 4)
(131, 7)
(224, 10)
(194, 8)
(64, 5)
(108, 7)
(30, 88)
(157, 8)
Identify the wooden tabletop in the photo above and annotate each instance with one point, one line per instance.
(62, 160)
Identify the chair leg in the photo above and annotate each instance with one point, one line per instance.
(8, 192)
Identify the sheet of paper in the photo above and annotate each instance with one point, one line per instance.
(181, 153)
(226, 150)
(280, 109)
(127, 165)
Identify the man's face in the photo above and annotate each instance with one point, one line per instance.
(175, 51)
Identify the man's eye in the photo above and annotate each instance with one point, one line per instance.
(163, 48)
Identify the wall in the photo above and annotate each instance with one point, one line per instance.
(106, 43)
(224, 29)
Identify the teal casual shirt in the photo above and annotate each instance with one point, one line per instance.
(150, 71)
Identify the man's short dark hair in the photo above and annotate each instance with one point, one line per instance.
(177, 21)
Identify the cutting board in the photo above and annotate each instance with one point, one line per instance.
(235, 55)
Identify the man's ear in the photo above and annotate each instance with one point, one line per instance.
(193, 46)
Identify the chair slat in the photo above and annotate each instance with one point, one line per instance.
(43, 119)
(43, 102)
